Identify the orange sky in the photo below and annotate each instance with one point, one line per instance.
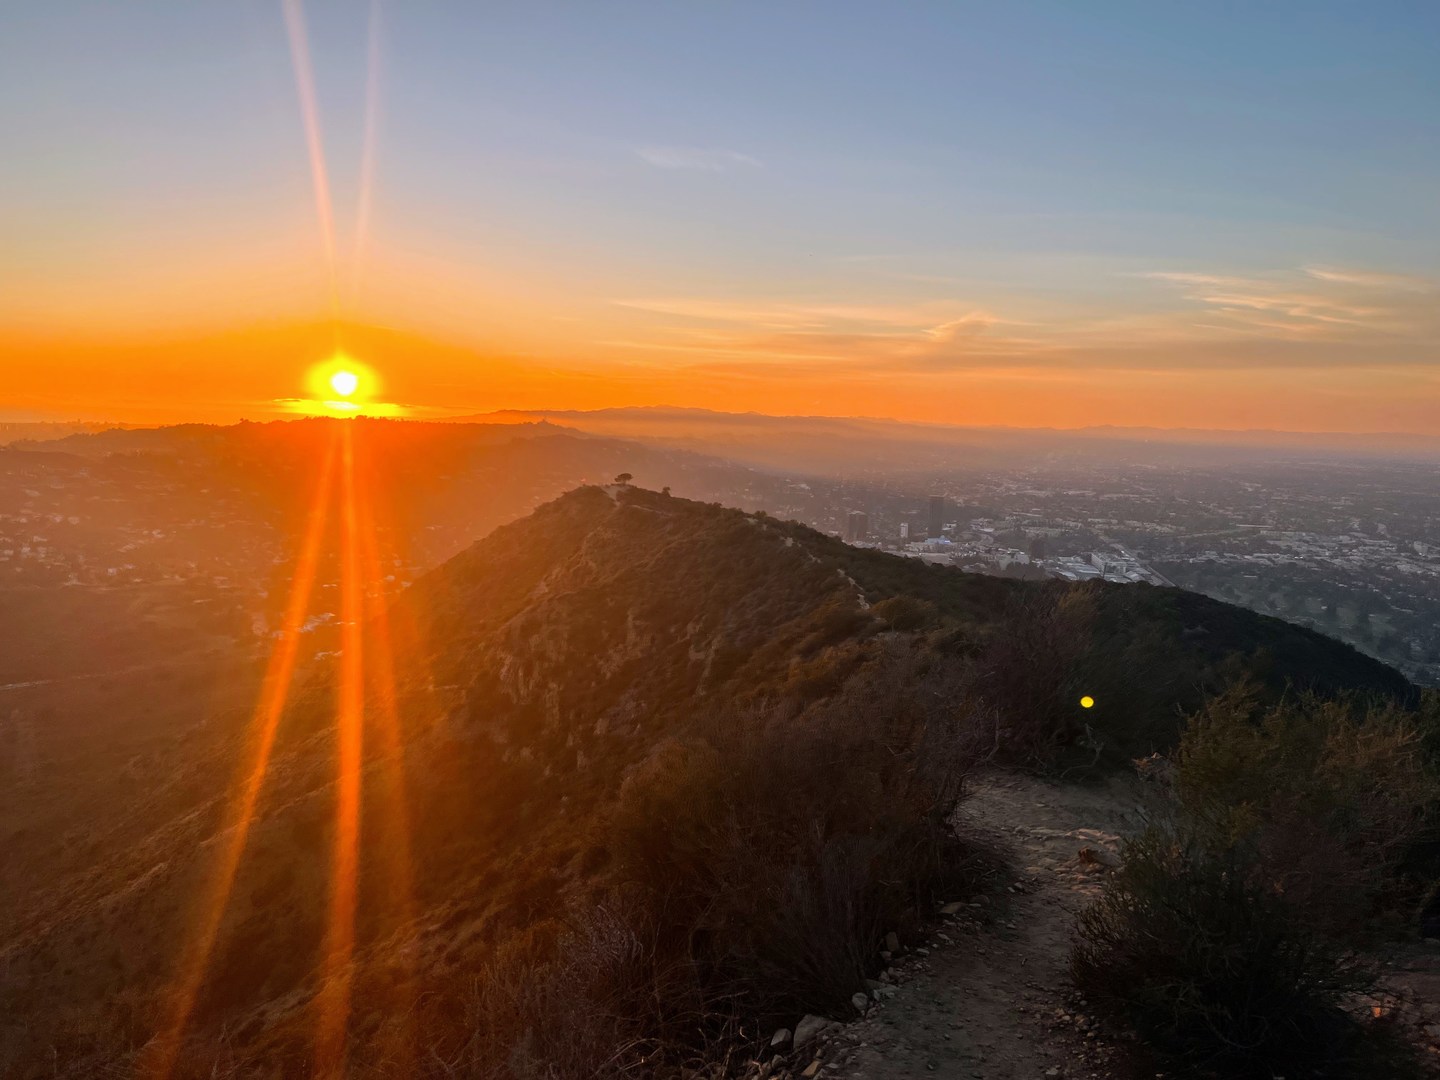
(221, 377)
(558, 216)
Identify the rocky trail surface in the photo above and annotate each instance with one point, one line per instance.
(989, 996)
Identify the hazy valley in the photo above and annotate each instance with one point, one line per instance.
(595, 721)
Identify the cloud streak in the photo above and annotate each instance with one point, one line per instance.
(1312, 317)
(1315, 302)
(695, 159)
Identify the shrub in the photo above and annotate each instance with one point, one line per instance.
(1220, 937)
(785, 846)
(906, 613)
(1331, 795)
(751, 868)
(590, 1000)
(1212, 967)
(1030, 671)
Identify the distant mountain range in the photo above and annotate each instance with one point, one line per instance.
(45, 431)
(825, 445)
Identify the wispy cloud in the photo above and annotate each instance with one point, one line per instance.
(770, 315)
(695, 159)
(1370, 279)
(1314, 301)
(1298, 318)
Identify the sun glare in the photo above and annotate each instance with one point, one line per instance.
(344, 382)
(343, 386)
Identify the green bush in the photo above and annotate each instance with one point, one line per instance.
(1330, 796)
(1221, 937)
(1212, 967)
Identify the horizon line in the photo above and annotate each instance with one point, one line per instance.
(480, 416)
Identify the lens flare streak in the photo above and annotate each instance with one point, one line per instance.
(314, 141)
(395, 844)
(275, 689)
(346, 490)
(334, 997)
(368, 149)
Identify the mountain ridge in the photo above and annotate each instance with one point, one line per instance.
(560, 654)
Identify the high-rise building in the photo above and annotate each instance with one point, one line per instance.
(937, 516)
(904, 530)
(857, 525)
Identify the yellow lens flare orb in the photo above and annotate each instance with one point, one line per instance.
(1087, 702)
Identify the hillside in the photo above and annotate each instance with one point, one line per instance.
(537, 675)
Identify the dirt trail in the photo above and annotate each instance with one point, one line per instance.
(990, 997)
(994, 1001)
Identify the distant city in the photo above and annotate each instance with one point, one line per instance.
(1349, 548)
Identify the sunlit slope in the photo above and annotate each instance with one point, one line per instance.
(532, 673)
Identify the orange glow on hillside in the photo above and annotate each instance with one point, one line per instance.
(364, 685)
(275, 692)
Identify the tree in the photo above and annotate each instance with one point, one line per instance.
(624, 478)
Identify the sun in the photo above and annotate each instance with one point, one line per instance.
(344, 382)
(343, 386)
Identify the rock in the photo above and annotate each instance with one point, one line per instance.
(1098, 856)
(808, 1029)
(951, 908)
(813, 1069)
(861, 1002)
(892, 942)
(1053, 1071)
(780, 1040)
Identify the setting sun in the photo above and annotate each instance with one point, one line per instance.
(342, 386)
(344, 383)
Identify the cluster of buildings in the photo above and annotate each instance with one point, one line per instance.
(1353, 551)
(1010, 546)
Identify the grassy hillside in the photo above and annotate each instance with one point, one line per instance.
(563, 682)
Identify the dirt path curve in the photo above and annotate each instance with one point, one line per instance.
(992, 999)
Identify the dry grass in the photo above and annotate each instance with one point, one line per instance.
(751, 871)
